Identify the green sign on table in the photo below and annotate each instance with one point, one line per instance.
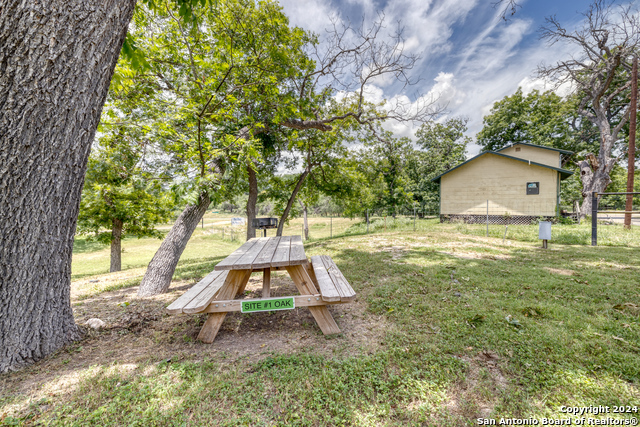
(270, 304)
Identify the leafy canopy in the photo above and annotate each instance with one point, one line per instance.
(116, 188)
(537, 118)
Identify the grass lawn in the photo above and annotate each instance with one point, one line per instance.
(449, 326)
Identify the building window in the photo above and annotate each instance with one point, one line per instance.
(517, 148)
(533, 188)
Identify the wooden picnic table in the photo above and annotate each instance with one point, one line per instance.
(319, 283)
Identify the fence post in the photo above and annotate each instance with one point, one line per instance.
(487, 218)
(594, 219)
(331, 227)
(367, 221)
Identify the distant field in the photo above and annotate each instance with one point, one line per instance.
(91, 258)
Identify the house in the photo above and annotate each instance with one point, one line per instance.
(518, 183)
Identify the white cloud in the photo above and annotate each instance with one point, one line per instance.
(428, 24)
(529, 84)
(445, 91)
(312, 15)
(467, 71)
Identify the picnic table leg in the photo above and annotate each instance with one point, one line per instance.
(306, 287)
(311, 273)
(235, 280)
(242, 287)
(266, 283)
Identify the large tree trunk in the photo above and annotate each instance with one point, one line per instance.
(116, 251)
(161, 268)
(595, 172)
(251, 202)
(595, 176)
(56, 61)
(287, 209)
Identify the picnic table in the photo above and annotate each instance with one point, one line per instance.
(319, 283)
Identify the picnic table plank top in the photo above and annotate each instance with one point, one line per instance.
(297, 255)
(246, 260)
(266, 255)
(281, 254)
(266, 252)
(227, 263)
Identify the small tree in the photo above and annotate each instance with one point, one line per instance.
(119, 199)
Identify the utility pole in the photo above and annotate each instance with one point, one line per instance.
(632, 143)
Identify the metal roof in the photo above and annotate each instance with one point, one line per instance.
(564, 173)
(513, 144)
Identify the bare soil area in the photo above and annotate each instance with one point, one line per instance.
(139, 331)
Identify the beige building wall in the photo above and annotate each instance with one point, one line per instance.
(538, 155)
(503, 182)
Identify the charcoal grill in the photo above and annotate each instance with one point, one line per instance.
(264, 223)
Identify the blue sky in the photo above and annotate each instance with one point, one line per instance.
(470, 57)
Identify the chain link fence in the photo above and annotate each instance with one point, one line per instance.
(494, 221)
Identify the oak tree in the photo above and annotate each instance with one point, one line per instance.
(57, 60)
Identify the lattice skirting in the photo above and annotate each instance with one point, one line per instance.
(496, 219)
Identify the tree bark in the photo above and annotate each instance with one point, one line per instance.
(56, 61)
(594, 177)
(305, 221)
(595, 172)
(158, 276)
(285, 214)
(251, 202)
(116, 252)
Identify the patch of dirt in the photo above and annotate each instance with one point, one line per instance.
(475, 255)
(484, 375)
(396, 252)
(139, 331)
(94, 284)
(560, 271)
(289, 331)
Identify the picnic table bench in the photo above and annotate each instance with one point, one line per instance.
(319, 282)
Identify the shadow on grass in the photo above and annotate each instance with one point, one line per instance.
(82, 245)
(191, 270)
(196, 268)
